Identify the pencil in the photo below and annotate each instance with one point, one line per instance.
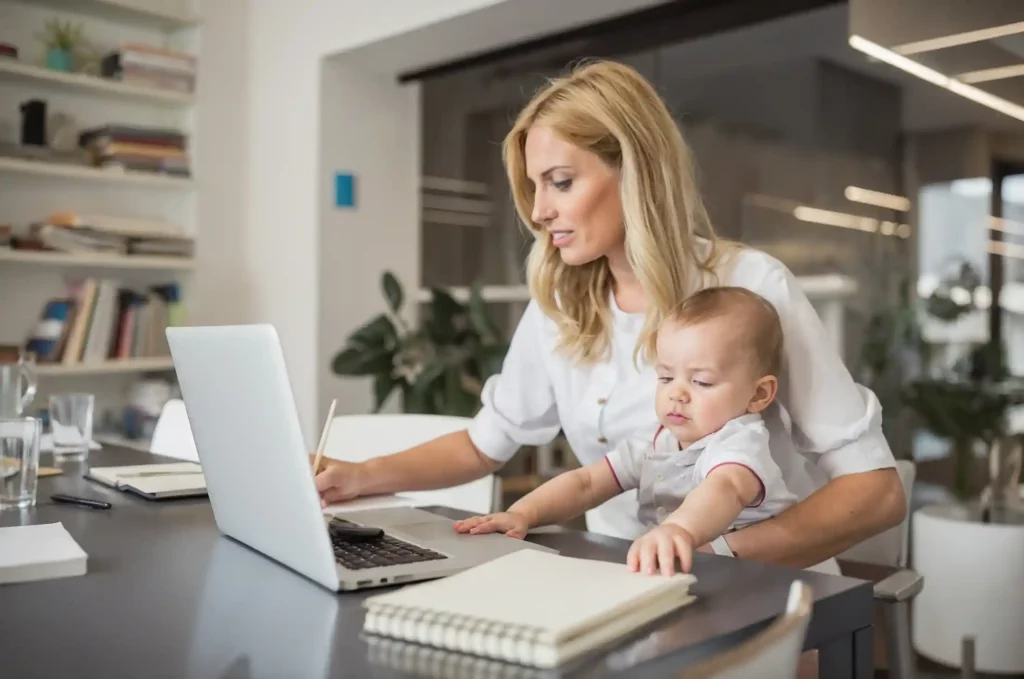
(323, 437)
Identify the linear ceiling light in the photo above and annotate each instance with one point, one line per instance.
(931, 75)
(877, 198)
(964, 38)
(990, 74)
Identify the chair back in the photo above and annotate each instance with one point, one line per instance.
(357, 438)
(888, 548)
(775, 652)
(172, 435)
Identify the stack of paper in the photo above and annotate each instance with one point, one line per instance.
(39, 553)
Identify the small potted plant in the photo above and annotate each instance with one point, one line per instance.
(61, 38)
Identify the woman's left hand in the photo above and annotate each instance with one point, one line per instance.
(658, 549)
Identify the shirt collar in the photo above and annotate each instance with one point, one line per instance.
(664, 441)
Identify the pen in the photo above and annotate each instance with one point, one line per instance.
(323, 437)
(83, 501)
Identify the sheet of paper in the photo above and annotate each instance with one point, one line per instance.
(370, 502)
(46, 443)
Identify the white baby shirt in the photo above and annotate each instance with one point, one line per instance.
(663, 475)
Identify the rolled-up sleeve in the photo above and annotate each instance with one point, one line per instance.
(831, 416)
(518, 405)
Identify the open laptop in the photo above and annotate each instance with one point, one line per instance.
(259, 478)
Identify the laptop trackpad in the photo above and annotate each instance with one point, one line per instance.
(433, 530)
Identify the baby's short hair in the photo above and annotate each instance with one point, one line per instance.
(761, 325)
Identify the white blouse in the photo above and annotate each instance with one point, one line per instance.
(821, 425)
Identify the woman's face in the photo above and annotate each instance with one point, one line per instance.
(576, 198)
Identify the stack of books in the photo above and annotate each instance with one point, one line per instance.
(78, 233)
(139, 64)
(145, 149)
(101, 320)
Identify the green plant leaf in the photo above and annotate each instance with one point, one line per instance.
(444, 322)
(383, 385)
(392, 291)
(478, 316)
(359, 361)
(379, 333)
(490, 359)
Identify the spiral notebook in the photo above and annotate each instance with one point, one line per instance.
(528, 607)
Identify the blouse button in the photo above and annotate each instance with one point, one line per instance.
(601, 439)
(601, 401)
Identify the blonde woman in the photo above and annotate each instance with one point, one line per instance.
(602, 177)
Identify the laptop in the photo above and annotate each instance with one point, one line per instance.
(259, 479)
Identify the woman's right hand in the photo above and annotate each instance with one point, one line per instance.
(337, 480)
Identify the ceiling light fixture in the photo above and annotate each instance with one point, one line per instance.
(877, 198)
(990, 74)
(964, 38)
(931, 75)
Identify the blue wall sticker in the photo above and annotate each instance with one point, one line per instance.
(344, 190)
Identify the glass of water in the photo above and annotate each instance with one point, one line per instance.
(19, 461)
(71, 426)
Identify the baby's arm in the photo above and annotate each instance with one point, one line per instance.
(564, 497)
(712, 507)
(568, 495)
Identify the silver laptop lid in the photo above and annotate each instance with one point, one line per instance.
(236, 390)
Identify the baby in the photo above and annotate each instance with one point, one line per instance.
(707, 470)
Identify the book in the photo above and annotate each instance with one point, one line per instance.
(528, 607)
(153, 481)
(39, 552)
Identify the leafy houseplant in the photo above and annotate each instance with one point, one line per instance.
(439, 367)
(60, 38)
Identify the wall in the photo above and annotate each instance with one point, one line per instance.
(288, 40)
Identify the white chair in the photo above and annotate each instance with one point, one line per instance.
(774, 652)
(172, 435)
(895, 592)
(357, 438)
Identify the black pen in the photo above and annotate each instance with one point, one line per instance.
(83, 501)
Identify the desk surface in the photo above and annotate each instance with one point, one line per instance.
(167, 596)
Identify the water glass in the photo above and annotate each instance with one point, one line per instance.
(19, 461)
(71, 418)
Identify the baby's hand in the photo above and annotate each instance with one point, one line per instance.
(510, 523)
(659, 547)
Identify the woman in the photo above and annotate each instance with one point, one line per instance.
(601, 175)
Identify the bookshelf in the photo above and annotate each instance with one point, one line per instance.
(41, 168)
(147, 121)
(27, 73)
(91, 260)
(112, 367)
(129, 12)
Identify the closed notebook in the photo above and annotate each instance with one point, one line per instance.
(39, 552)
(154, 481)
(528, 607)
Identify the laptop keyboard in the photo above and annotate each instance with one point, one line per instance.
(383, 551)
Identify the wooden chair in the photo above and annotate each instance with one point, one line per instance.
(357, 438)
(774, 652)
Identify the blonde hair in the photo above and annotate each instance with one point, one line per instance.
(610, 110)
(759, 324)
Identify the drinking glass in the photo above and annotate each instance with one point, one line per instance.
(19, 461)
(71, 424)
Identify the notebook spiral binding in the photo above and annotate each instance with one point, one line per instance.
(515, 643)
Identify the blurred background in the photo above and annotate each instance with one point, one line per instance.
(333, 168)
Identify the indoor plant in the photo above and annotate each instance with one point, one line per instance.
(438, 367)
(60, 38)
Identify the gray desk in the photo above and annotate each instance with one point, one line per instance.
(167, 596)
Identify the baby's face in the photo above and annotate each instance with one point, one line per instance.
(705, 377)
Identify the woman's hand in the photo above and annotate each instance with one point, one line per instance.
(337, 481)
(512, 524)
(659, 547)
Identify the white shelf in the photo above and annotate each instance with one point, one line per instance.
(18, 71)
(85, 173)
(136, 12)
(97, 260)
(490, 293)
(125, 365)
